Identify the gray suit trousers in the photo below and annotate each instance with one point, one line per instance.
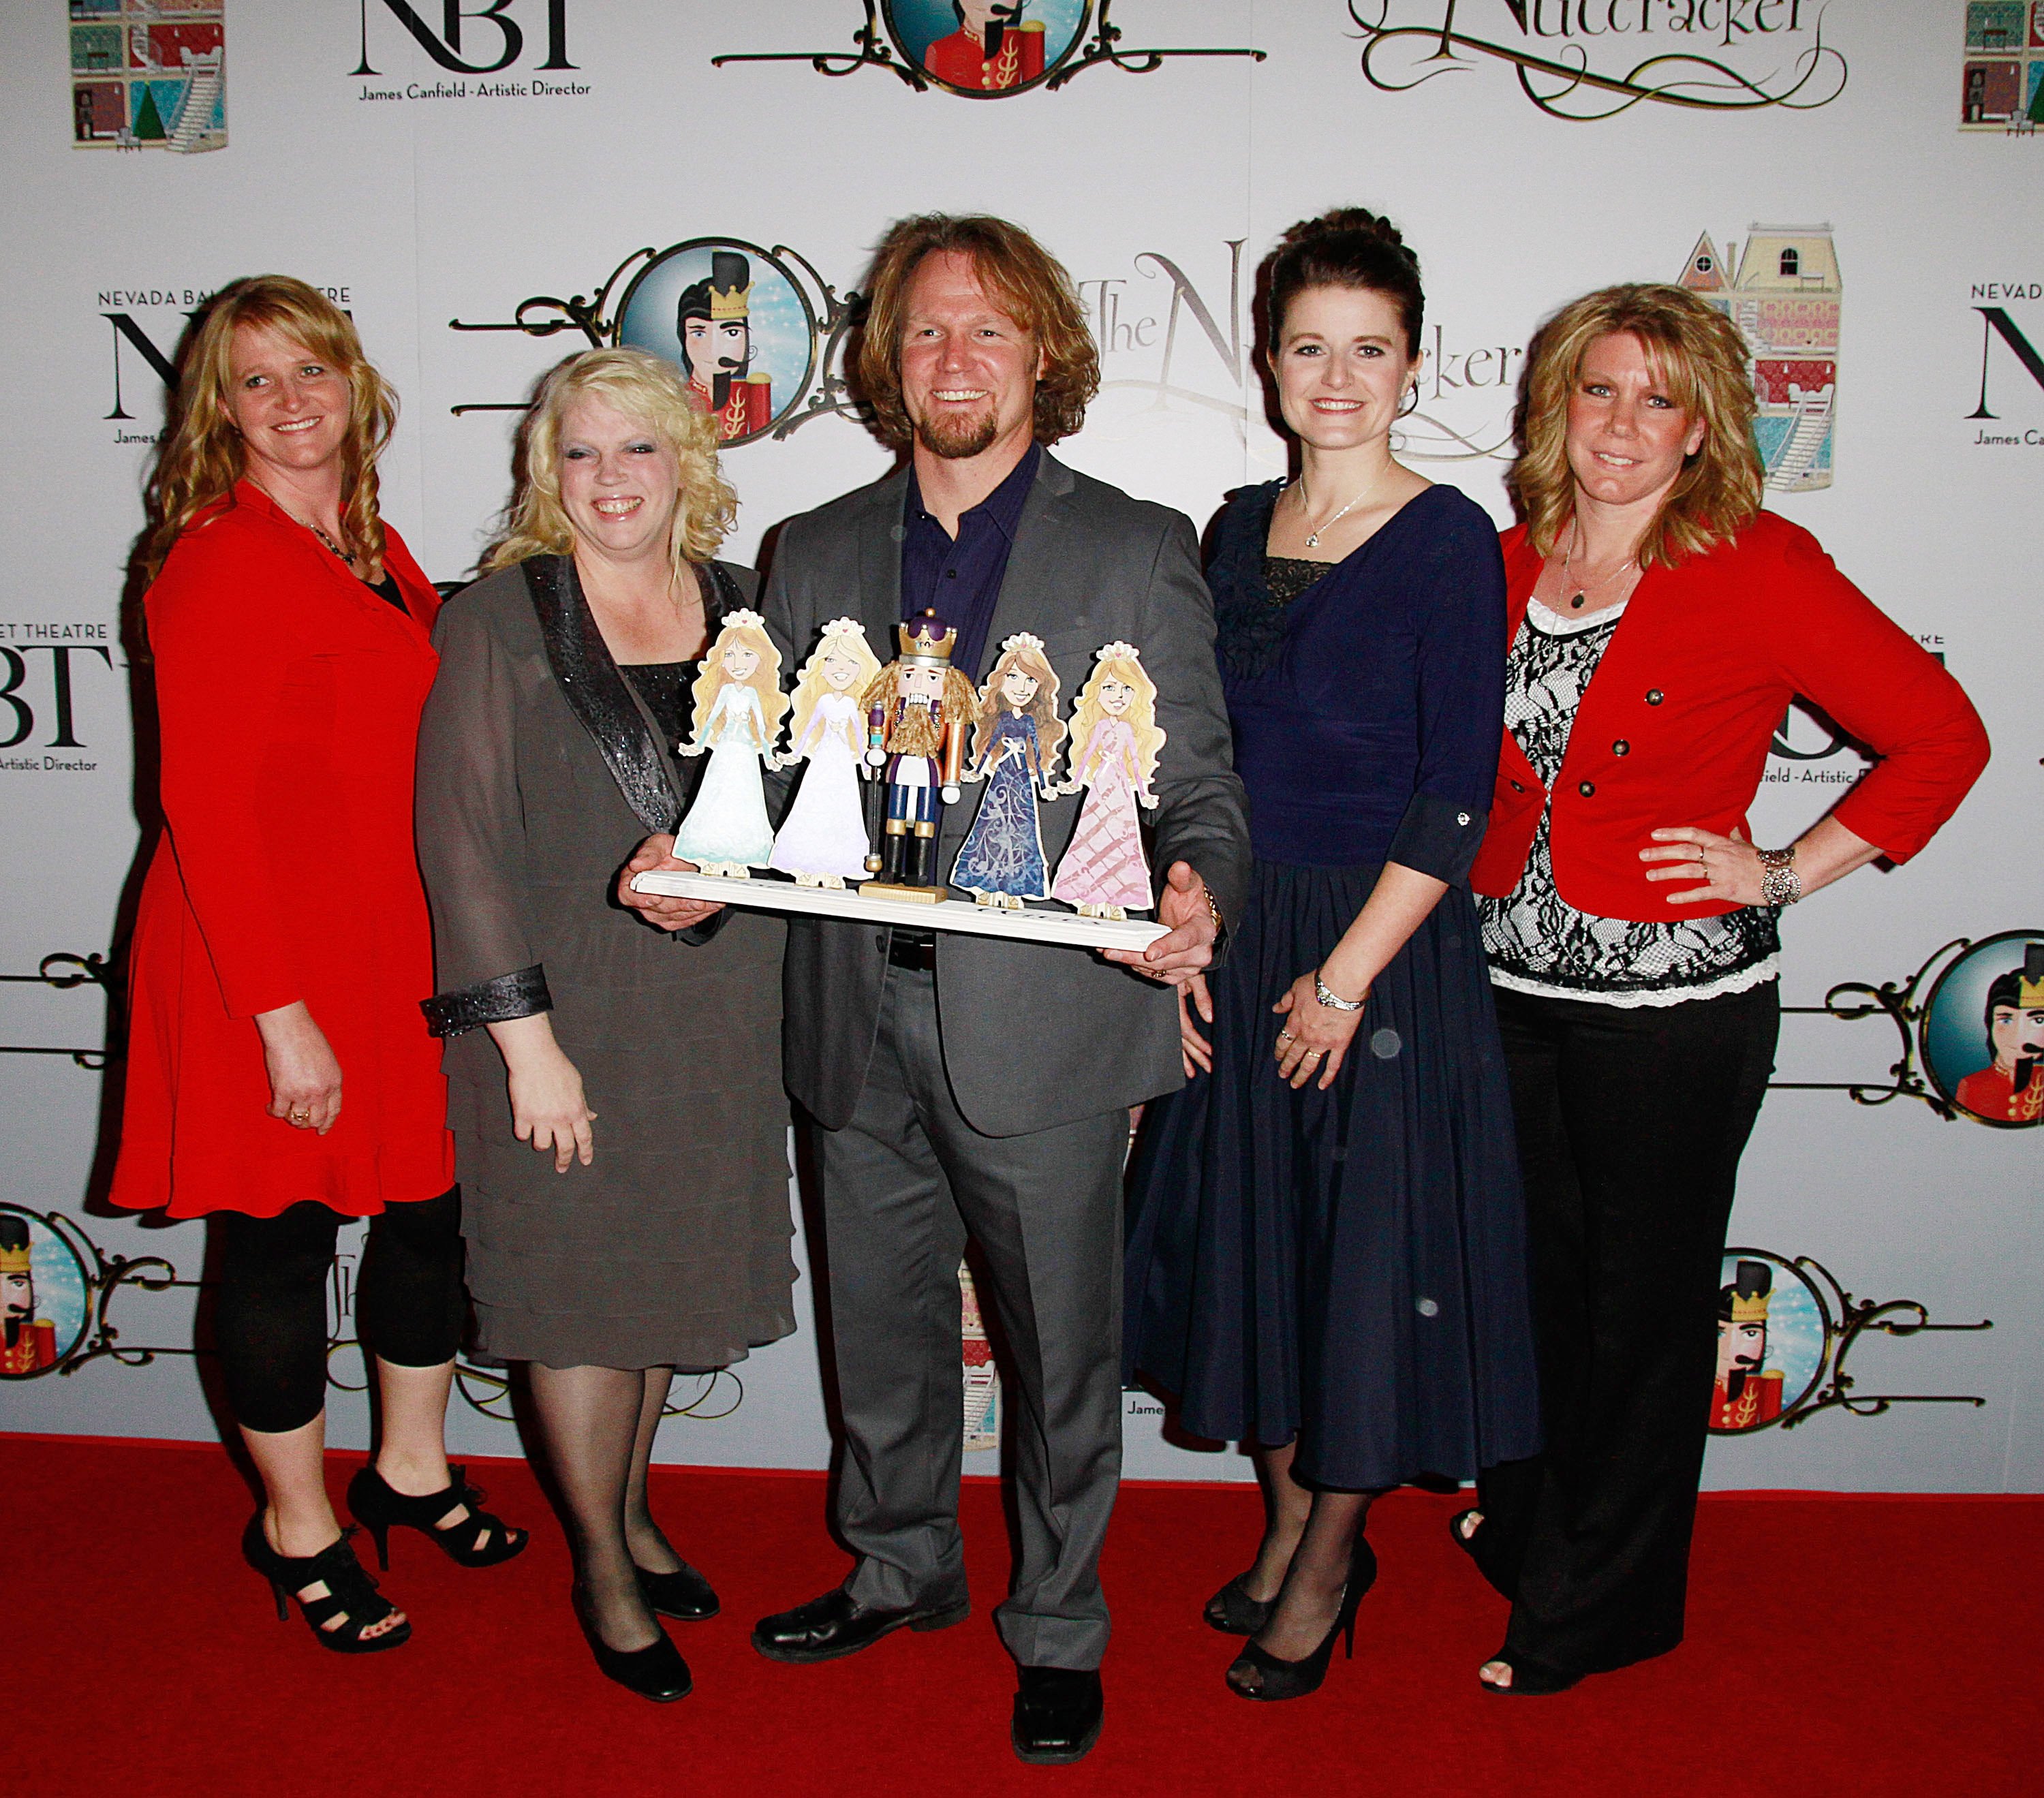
(904, 1182)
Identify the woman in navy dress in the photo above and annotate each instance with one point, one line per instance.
(1326, 1255)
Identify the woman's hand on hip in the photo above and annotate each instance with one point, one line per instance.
(1725, 868)
(305, 1075)
(1314, 1038)
(1197, 1052)
(548, 1109)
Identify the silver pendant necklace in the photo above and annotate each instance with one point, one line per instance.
(1568, 553)
(1313, 542)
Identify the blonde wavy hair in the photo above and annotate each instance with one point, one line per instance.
(643, 387)
(202, 457)
(810, 685)
(1025, 653)
(1698, 356)
(1032, 287)
(741, 629)
(1090, 714)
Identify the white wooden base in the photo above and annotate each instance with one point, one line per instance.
(1065, 928)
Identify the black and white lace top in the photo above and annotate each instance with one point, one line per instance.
(1537, 941)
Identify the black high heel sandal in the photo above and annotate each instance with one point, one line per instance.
(350, 1593)
(480, 1540)
(655, 1672)
(684, 1594)
(1234, 1612)
(1278, 1679)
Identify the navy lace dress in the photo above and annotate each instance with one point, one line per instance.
(1347, 1269)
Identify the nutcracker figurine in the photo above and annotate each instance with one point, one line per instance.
(1744, 1396)
(28, 1343)
(994, 48)
(713, 318)
(916, 711)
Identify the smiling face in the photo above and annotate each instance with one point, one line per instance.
(1115, 696)
(621, 485)
(738, 660)
(291, 409)
(840, 670)
(1341, 365)
(969, 371)
(1018, 687)
(1627, 437)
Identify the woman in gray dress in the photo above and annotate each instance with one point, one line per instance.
(620, 1130)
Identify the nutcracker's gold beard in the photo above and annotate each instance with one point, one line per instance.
(957, 438)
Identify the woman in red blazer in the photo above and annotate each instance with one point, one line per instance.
(1631, 924)
(280, 1076)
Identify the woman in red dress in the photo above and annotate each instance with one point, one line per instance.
(280, 1076)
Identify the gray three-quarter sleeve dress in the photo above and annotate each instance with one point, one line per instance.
(541, 767)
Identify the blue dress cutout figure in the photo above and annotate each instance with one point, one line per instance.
(1001, 862)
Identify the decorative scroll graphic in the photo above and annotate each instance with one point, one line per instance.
(1785, 1330)
(2001, 86)
(148, 75)
(1970, 1025)
(56, 1288)
(758, 333)
(1407, 42)
(982, 49)
(66, 971)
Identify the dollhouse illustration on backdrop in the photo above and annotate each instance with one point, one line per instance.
(1782, 290)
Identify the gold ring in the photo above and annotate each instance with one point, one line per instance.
(1311, 1053)
(301, 1117)
(1285, 1036)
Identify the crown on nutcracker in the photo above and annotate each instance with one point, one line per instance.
(16, 1252)
(730, 285)
(2030, 977)
(844, 628)
(730, 302)
(1750, 1293)
(1119, 651)
(927, 640)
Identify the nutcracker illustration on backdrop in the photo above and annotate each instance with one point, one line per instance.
(1017, 737)
(2010, 1088)
(738, 705)
(713, 320)
(28, 1343)
(916, 710)
(824, 840)
(1747, 1392)
(1116, 742)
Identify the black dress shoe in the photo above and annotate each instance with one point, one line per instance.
(828, 1627)
(684, 1594)
(1058, 1713)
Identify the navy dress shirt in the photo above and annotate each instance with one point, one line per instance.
(959, 578)
(1367, 723)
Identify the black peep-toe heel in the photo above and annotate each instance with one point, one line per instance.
(351, 1592)
(1276, 1679)
(479, 1540)
(1234, 1612)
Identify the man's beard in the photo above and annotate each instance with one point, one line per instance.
(956, 439)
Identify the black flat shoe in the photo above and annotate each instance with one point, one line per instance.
(831, 1626)
(350, 1593)
(1057, 1714)
(477, 1540)
(684, 1594)
(657, 1671)
(1278, 1679)
(1234, 1612)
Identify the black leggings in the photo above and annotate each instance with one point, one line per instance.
(270, 1320)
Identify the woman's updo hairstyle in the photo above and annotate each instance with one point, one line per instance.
(1349, 246)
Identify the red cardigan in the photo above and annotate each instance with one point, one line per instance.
(1675, 727)
(288, 695)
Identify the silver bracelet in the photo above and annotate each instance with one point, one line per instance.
(1332, 1001)
(1779, 884)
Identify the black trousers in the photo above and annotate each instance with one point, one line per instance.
(270, 1317)
(1630, 1126)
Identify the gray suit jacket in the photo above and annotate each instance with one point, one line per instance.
(1033, 1036)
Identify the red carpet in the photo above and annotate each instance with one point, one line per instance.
(1834, 1644)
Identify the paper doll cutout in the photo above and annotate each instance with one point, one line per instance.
(915, 714)
(738, 705)
(1015, 747)
(824, 840)
(1116, 742)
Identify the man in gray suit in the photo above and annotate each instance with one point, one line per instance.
(970, 1086)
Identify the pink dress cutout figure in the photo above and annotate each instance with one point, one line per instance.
(1103, 869)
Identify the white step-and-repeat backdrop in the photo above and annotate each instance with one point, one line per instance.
(488, 184)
